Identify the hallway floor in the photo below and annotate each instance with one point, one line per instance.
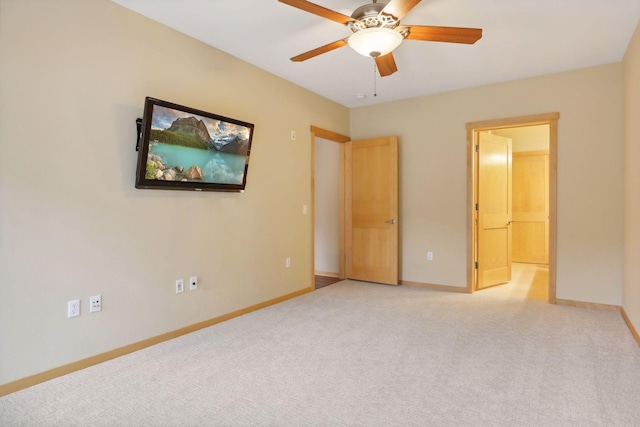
(528, 281)
(322, 281)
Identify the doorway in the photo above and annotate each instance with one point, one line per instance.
(368, 207)
(532, 250)
(326, 223)
(327, 252)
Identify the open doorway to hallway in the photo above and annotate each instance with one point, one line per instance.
(327, 202)
(517, 213)
(513, 198)
(529, 225)
(326, 216)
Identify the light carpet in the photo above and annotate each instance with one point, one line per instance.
(361, 354)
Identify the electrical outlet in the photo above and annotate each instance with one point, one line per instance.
(429, 256)
(287, 262)
(293, 135)
(95, 303)
(193, 283)
(73, 308)
(179, 286)
(305, 209)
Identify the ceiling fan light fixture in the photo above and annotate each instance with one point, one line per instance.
(375, 41)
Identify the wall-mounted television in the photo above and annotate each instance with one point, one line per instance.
(181, 148)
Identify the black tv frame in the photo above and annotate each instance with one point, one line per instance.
(143, 127)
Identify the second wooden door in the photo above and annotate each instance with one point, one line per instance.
(371, 179)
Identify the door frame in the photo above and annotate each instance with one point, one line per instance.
(472, 129)
(328, 135)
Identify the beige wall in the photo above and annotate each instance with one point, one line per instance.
(631, 272)
(527, 138)
(433, 169)
(73, 77)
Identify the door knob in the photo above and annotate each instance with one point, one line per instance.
(509, 221)
(391, 221)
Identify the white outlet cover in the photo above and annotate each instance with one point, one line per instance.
(73, 308)
(179, 286)
(193, 283)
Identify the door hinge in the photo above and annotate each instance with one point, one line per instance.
(476, 265)
(477, 148)
(477, 206)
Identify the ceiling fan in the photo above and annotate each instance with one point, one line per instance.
(377, 31)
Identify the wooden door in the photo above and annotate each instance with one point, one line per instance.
(531, 207)
(494, 209)
(371, 181)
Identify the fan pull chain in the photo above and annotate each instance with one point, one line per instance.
(375, 90)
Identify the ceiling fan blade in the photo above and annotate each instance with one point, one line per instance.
(444, 34)
(399, 8)
(319, 50)
(318, 10)
(386, 65)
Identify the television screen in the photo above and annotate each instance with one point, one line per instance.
(181, 148)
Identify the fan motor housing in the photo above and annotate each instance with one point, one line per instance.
(368, 11)
(372, 16)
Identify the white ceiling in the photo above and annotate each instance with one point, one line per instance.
(521, 38)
